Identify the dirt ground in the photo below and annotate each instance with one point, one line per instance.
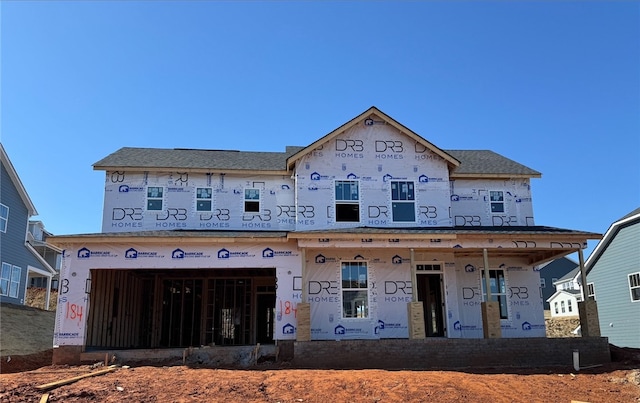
(22, 370)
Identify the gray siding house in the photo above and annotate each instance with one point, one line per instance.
(20, 260)
(614, 270)
(550, 273)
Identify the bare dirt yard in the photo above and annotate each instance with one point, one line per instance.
(25, 366)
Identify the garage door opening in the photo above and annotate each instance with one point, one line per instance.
(185, 308)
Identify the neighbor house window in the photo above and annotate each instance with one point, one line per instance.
(543, 282)
(497, 201)
(403, 207)
(569, 308)
(562, 306)
(634, 286)
(555, 305)
(154, 198)
(347, 201)
(203, 199)
(252, 200)
(355, 290)
(10, 280)
(591, 291)
(498, 290)
(4, 217)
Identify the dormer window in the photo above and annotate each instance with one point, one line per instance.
(154, 198)
(497, 201)
(203, 199)
(347, 201)
(252, 200)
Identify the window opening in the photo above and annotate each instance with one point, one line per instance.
(497, 201)
(498, 290)
(403, 201)
(203, 199)
(347, 197)
(154, 198)
(252, 200)
(355, 290)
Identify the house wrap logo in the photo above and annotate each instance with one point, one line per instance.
(386, 325)
(460, 327)
(85, 253)
(341, 330)
(321, 259)
(180, 254)
(426, 179)
(227, 254)
(315, 176)
(526, 326)
(396, 260)
(269, 253)
(288, 329)
(132, 253)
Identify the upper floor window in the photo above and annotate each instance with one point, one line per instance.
(498, 290)
(569, 308)
(403, 201)
(203, 199)
(347, 201)
(252, 200)
(543, 282)
(634, 286)
(497, 201)
(591, 291)
(10, 280)
(355, 290)
(154, 198)
(4, 217)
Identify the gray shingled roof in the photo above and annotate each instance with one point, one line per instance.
(472, 161)
(487, 162)
(180, 158)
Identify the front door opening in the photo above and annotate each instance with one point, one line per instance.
(430, 293)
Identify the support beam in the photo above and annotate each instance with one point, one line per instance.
(490, 309)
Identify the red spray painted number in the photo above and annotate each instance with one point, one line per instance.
(74, 312)
(288, 309)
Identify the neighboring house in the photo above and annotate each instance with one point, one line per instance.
(550, 273)
(37, 237)
(202, 247)
(613, 277)
(564, 302)
(20, 259)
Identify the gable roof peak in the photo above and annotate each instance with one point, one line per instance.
(373, 110)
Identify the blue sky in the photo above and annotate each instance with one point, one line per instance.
(552, 85)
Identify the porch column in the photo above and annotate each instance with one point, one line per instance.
(415, 309)
(587, 309)
(303, 329)
(490, 309)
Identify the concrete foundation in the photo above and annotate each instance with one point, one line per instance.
(217, 357)
(425, 353)
(440, 353)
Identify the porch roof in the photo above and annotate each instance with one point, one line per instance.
(537, 244)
